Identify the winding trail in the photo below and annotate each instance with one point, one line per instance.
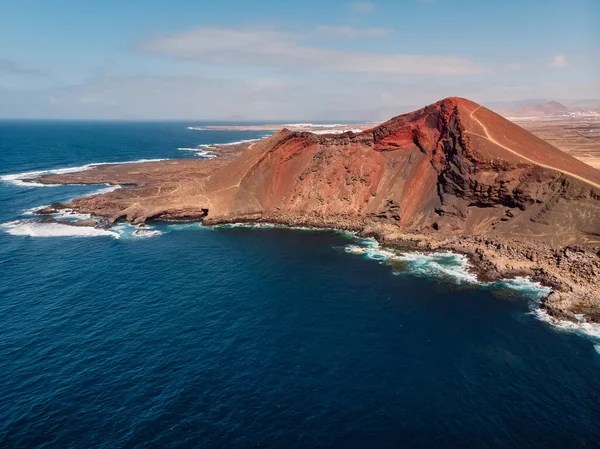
(495, 142)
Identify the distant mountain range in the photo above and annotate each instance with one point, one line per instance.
(529, 108)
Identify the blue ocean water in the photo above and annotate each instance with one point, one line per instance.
(241, 337)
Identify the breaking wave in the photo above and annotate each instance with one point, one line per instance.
(204, 150)
(338, 131)
(588, 330)
(109, 188)
(524, 285)
(204, 154)
(21, 179)
(445, 264)
(146, 233)
(237, 142)
(449, 265)
(32, 228)
(312, 125)
(441, 264)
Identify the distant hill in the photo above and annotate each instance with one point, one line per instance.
(550, 108)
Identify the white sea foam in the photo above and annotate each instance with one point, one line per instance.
(311, 125)
(60, 213)
(237, 142)
(103, 190)
(590, 330)
(109, 188)
(69, 214)
(33, 210)
(20, 179)
(246, 225)
(200, 152)
(141, 232)
(445, 264)
(456, 266)
(524, 285)
(338, 131)
(204, 150)
(39, 229)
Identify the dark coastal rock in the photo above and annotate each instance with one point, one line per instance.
(81, 223)
(46, 210)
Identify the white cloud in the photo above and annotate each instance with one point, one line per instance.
(363, 7)
(559, 61)
(273, 49)
(350, 32)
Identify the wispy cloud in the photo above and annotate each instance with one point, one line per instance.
(259, 47)
(13, 68)
(263, 98)
(362, 7)
(559, 61)
(515, 66)
(351, 32)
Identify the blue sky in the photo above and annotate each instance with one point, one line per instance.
(275, 59)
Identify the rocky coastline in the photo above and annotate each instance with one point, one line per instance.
(452, 176)
(572, 272)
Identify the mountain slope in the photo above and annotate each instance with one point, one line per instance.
(453, 166)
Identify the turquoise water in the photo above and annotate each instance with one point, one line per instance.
(241, 337)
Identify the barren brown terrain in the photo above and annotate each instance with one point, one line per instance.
(452, 175)
(580, 137)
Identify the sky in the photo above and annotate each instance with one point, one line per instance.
(289, 60)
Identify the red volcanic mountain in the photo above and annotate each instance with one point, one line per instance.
(452, 167)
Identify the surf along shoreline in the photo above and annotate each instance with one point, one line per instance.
(569, 271)
(489, 259)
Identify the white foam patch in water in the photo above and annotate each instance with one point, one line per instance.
(185, 226)
(589, 330)
(20, 179)
(129, 231)
(525, 285)
(338, 131)
(237, 142)
(451, 265)
(102, 191)
(69, 215)
(281, 226)
(39, 229)
(444, 264)
(205, 154)
(311, 125)
(145, 233)
(109, 188)
(33, 210)
(246, 225)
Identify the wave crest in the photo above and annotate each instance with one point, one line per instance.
(32, 228)
(21, 179)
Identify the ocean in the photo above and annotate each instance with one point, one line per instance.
(237, 336)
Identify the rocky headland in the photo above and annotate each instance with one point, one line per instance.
(453, 175)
